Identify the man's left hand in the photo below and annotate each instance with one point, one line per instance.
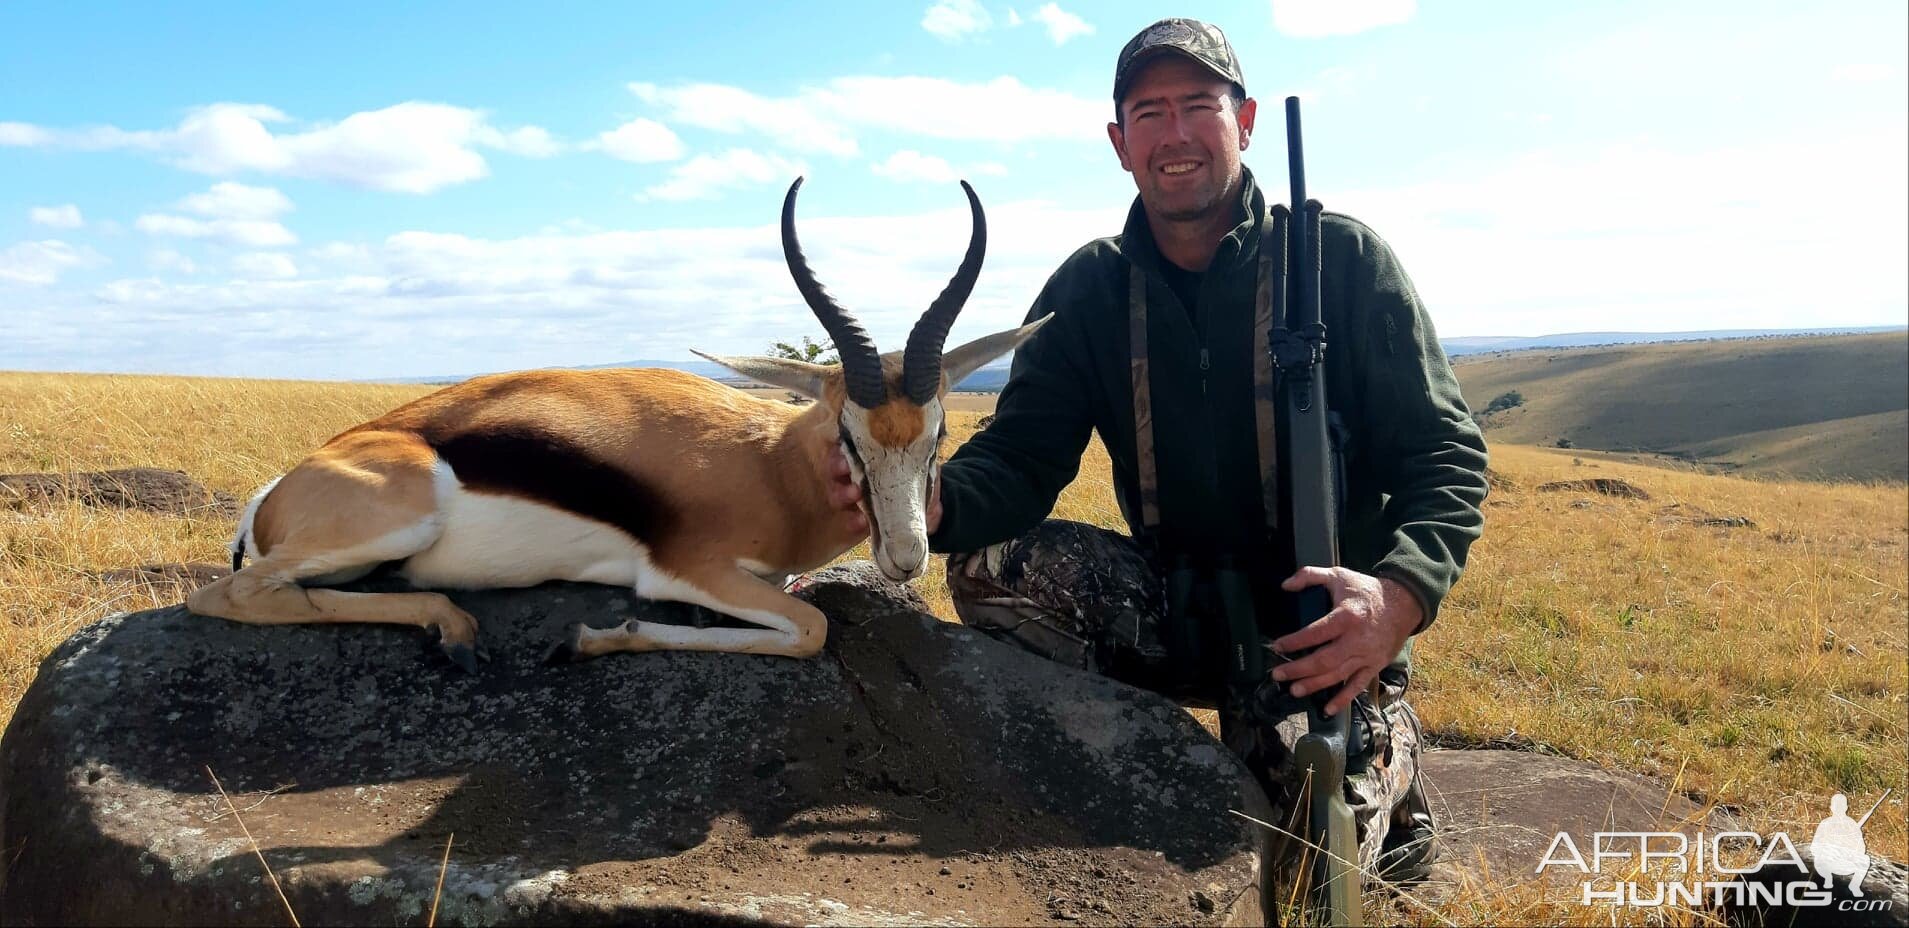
(1370, 620)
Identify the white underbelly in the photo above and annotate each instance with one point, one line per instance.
(491, 540)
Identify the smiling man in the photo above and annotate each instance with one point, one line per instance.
(1156, 345)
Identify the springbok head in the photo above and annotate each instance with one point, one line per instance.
(888, 407)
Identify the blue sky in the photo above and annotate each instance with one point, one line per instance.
(354, 191)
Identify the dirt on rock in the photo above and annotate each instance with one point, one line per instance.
(184, 577)
(1607, 486)
(1499, 482)
(1686, 514)
(148, 489)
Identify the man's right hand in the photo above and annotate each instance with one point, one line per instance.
(845, 496)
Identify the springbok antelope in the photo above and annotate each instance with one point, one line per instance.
(677, 486)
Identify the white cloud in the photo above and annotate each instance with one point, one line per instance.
(908, 165)
(1663, 238)
(954, 20)
(253, 233)
(410, 147)
(224, 138)
(706, 176)
(824, 118)
(913, 165)
(1062, 25)
(166, 259)
(19, 134)
(1014, 19)
(235, 213)
(527, 142)
(794, 123)
(570, 299)
(1862, 73)
(228, 200)
(1312, 19)
(998, 110)
(38, 264)
(264, 265)
(66, 216)
(342, 252)
(642, 141)
(407, 148)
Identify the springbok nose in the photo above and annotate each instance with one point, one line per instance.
(905, 561)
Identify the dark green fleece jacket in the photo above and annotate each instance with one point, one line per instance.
(1414, 458)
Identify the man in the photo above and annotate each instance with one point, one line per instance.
(1097, 600)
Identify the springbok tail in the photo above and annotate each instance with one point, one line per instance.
(242, 541)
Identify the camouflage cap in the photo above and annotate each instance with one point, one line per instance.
(1202, 42)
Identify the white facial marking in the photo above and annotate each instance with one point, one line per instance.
(897, 481)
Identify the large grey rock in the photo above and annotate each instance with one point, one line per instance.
(914, 772)
(1499, 811)
(1883, 904)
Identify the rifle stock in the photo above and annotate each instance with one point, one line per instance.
(1298, 347)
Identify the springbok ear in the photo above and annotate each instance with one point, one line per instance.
(787, 373)
(968, 358)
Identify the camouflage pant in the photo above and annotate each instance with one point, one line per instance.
(1089, 598)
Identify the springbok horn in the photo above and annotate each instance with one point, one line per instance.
(861, 363)
(921, 363)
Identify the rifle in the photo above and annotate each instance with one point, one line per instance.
(1299, 350)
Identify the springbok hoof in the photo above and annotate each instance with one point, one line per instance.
(463, 655)
(568, 649)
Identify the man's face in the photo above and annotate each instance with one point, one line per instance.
(1182, 139)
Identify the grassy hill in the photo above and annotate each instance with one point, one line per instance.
(1835, 407)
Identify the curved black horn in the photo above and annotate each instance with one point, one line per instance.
(861, 363)
(921, 363)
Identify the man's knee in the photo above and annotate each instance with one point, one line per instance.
(1063, 590)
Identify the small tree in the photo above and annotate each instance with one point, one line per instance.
(1508, 400)
(823, 353)
(811, 352)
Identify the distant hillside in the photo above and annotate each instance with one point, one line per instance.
(1833, 407)
(991, 378)
(1478, 344)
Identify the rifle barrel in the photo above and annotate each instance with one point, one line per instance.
(1299, 310)
(1324, 747)
(1295, 156)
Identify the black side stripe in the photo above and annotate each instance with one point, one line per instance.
(530, 463)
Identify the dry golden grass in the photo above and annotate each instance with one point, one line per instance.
(1761, 668)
